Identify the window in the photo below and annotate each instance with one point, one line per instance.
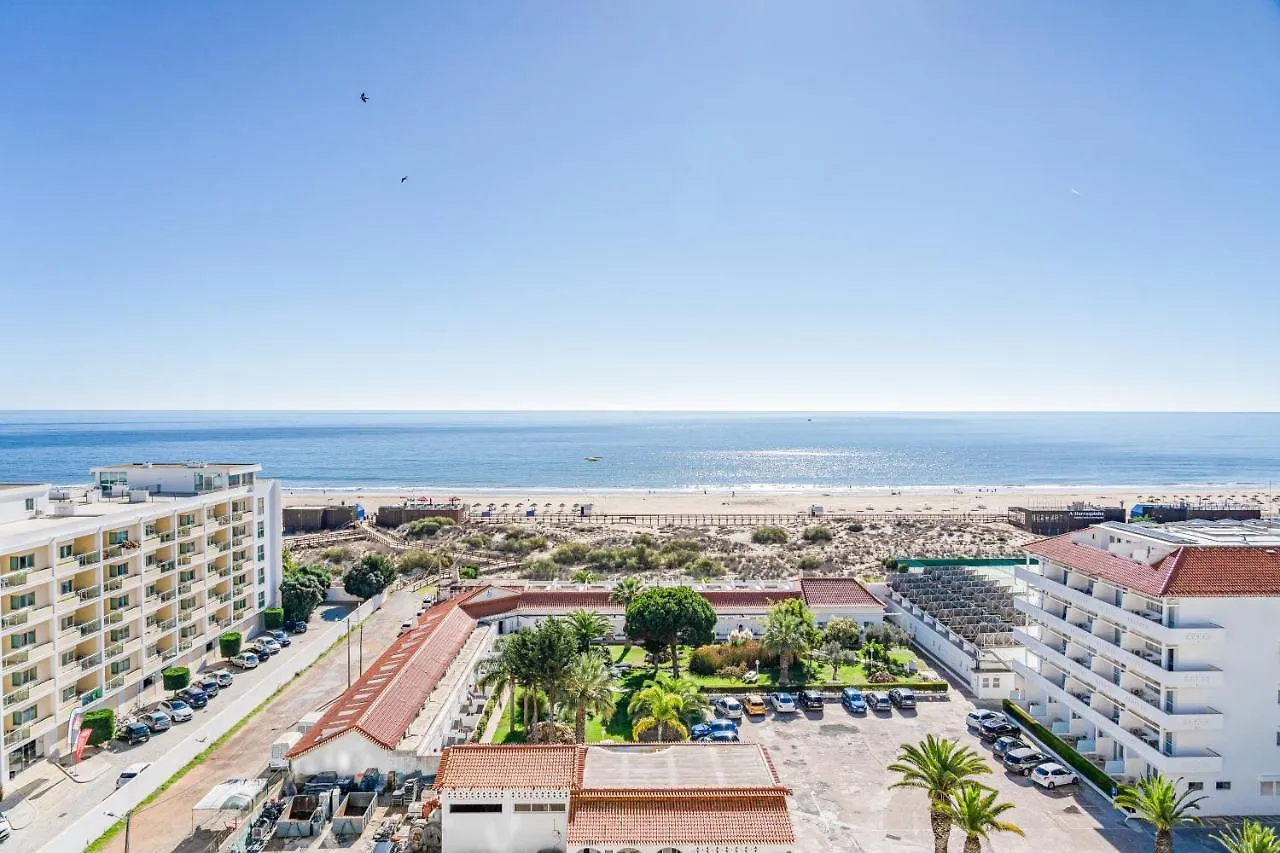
(262, 600)
(119, 602)
(1222, 786)
(262, 506)
(1195, 786)
(21, 718)
(66, 587)
(29, 504)
(117, 537)
(26, 676)
(26, 599)
(995, 681)
(68, 693)
(1269, 788)
(19, 641)
(119, 570)
(66, 623)
(65, 551)
(539, 807)
(18, 564)
(187, 519)
(262, 529)
(68, 657)
(118, 634)
(262, 552)
(119, 666)
(472, 808)
(986, 682)
(262, 576)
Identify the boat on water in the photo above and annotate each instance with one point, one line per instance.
(593, 458)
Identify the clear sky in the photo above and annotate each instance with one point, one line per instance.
(660, 204)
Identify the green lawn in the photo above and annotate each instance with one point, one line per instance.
(618, 729)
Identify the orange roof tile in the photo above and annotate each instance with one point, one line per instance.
(384, 701)
(1101, 564)
(500, 766)
(836, 592)
(704, 817)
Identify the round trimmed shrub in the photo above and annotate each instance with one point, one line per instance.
(101, 724)
(769, 535)
(229, 644)
(176, 677)
(273, 618)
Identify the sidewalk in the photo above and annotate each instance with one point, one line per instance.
(88, 827)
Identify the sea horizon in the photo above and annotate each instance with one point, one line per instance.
(549, 451)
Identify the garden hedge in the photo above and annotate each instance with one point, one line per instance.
(1060, 748)
(176, 677)
(229, 644)
(273, 618)
(101, 725)
(738, 686)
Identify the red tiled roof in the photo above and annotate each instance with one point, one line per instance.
(487, 601)
(1193, 571)
(500, 766)
(1216, 571)
(746, 598)
(836, 592)
(566, 600)
(707, 816)
(384, 701)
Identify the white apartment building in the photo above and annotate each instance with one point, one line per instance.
(104, 587)
(1158, 648)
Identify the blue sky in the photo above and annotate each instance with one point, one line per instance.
(714, 205)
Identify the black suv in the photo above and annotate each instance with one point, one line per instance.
(994, 728)
(132, 733)
(810, 700)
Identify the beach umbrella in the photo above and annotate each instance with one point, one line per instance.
(504, 506)
(454, 499)
(562, 504)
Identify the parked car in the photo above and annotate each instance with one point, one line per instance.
(992, 729)
(811, 700)
(902, 698)
(729, 707)
(296, 627)
(5, 829)
(1052, 774)
(704, 730)
(851, 699)
(753, 703)
(194, 696)
(1024, 759)
(975, 719)
(1006, 743)
(262, 650)
(224, 678)
(156, 721)
(131, 772)
(132, 733)
(210, 686)
(245, 660)
(267, 642)
(405, 626)
(720, 737)
(782, 703)
(879, 702)
(178, 710)
(281, 638)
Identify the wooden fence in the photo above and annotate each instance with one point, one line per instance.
(733, 519)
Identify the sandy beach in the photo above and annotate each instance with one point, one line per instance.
(906, 501)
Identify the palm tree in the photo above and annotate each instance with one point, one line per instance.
(588, 626)
(589, 688)
(625, 591)
(584, 576)
(1156, 800)
(939, 767)
(499, 672)
(976, 813)
(1251, 837)
(788, 636)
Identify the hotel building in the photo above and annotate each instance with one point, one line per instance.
(103, 587)
(1157, 648)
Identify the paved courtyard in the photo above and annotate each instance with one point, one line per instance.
(836, 763)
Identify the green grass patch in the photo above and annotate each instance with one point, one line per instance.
(618, 727)
(100, 843)
(814, 673)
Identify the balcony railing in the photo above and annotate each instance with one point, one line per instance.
(184, 645)
(90, 661)
(184, 588)
(168, 624)
(18, 618)
(113, 584)
(116, 683)
(22, 694)
(88, 559)
(89, 593)
(91, 627)
(114, 651)
(167, 536)
(166, 566)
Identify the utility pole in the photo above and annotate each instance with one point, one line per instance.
(361, 669)
(348, 651)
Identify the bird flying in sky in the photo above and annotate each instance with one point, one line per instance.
(405, 178)
(364, 97)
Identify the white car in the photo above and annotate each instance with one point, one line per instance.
(271, 645)
(179, 710)
(783, 703)
(728, 707)
(5, 829)
(406, 626)
(245, 660)
(1052, 775)
(975, 719)
(131, 772)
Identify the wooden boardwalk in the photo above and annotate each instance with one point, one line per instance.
(734, 519)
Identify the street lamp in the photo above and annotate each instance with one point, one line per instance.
(128, 817)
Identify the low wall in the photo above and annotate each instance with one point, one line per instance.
(84, 831)
(394, 516)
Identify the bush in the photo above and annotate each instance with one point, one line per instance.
(770, 535)
(819, 535)
(477, 540)
(273, 618)
(469, 573)
(709, 660)
(734, 673)
(229, 644)
(809, 563)
(843, 631)
(101, 724)
(855, 528)
(886, 634)
(417, 560)
(570, 553)
(706, 660)
(523, 542)
(336, 554)
(539, 570)
(175, 678)
(1059, 747)
(425, 528)
(644, 539)
(369, 577)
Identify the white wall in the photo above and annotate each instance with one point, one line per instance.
(505, 832)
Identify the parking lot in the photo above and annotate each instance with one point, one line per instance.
(836, 762)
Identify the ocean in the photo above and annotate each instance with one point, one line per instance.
(659, 451)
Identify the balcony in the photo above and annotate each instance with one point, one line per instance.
(26, 577)
(32, 691)
(26, 616)
(224, 598)
(187, 616)
(184, 645)
(83, 560)
(93, 626)
(115, 683)
(90, 661)
(190, 530)
(166, 566)
(89, 593)
(167, 536)
(124, 614)
(28, 655)
(113, 651)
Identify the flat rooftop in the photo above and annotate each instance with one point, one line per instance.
(101, 508)
(677, 765)
(195, 465)
(1257, 532)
